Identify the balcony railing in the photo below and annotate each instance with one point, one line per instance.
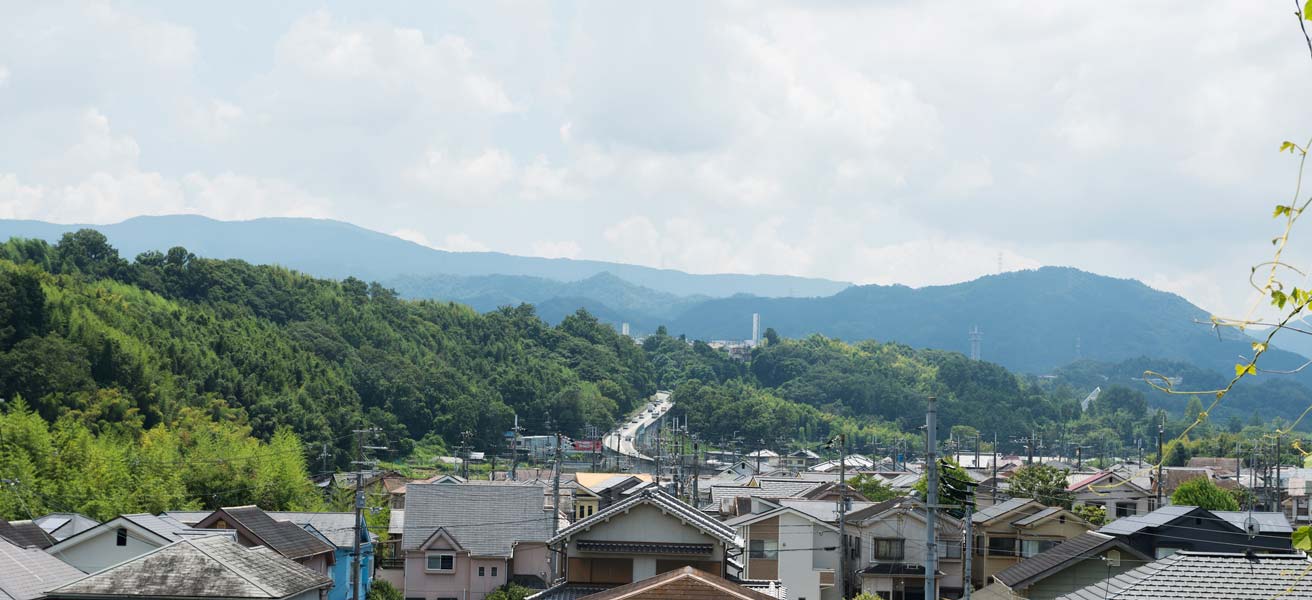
(391, 563)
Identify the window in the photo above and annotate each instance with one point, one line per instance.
(949, 549)
(494, 571)
(765, 549)
(887, 549)
(441, 562)
(1030, 548)
(121, 537)
(481, 571)
(1165, 551)
(1124, 509)
(1002, 546)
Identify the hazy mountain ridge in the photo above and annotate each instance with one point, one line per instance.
(334, 249)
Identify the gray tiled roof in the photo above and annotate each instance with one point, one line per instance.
(63, 525)
(1157, 518)
(823, 510)
(990, 513)
(654, 496)
(486, 519)
(286, 538)
(338, 527)
(1267, 522)
(1045, 564)
(1214, 576)
(26, 573)
(205, 567)
(1036, 517)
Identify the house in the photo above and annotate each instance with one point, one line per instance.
(212, 567)
(646, 534)
(27, 573)
(763, 459)
(1211, 575)
(338, 529)
(686, 584)
(25, 534)
(811, 549)
(120, 539)
(1075, 563)
(596, 491)
(63, 525)
(254, 527)
(1010, 531)
(851, 463)
(1172, 477)
(891, 538)
(800, 460)
(1173, 528)
(1115, 492)
(465, 541)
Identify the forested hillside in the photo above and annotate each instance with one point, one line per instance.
(185, 374)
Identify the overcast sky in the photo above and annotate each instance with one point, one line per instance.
(904, 142)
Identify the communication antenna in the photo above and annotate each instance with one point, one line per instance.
(976, 337)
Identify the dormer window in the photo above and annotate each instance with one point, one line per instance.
(121, 537)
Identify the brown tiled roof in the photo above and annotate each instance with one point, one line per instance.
(284, 537)
(681, 584)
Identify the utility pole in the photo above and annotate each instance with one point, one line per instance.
(1279, 491)
(359, 504)
(966, 584)
(842, 511)
(1161, 458)
(696, 473)
(931, 499)
(555, 504)
(994, 487)
(514, 448)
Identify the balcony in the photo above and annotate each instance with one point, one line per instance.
(391, 563)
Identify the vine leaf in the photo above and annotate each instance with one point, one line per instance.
(1303, 535)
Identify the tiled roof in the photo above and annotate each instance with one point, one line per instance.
(486, 519)
(63, 525)
(1000, 509)
(1157, 518)
(284, 537)
(205, 567)
(660, 499)
(1267, 522)
(570, 591)
(645, 547)
(25, 534)
(338, 527)
(822, 510)
(27, 573)
(1210, 575)
(1036, 517)
(685, 583)
(1055, 559)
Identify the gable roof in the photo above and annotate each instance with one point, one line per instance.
(1212, 575)
(687, 583)
(488, 520)
(666, 503)
(25, 534)
(824, 510)
(284, 537)
(63, 525)
(1122, 481)
(1267, 522)
(1157, 518)
(1055, 559)
(160, 530)
(206, 567)
(748, 519)
(337, 527)
(26, 573)
(1001, 509)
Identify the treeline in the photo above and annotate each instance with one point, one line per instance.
(133, 344)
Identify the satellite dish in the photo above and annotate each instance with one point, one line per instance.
(1251, 526)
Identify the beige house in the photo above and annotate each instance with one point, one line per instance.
(648, 533)
(1119, 495)
(793, 547)
(891, 556)
(1011, 531)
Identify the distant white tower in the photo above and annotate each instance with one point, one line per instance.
(624, 329)
(756, 329)
(976, 336)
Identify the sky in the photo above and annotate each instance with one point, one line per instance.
(871, 142)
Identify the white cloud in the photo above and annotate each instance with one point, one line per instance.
(412, 235)
(4, 76)
(461, 242)
(561, 249)
(473, 179)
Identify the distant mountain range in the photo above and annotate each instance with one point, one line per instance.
(1032, 321)
(335, 249)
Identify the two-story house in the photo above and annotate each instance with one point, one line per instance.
(120, 539)
(254, 527)
(795, 548)
(647, 533)
(465, 541)
(1117, 492)
(891, 557)
(595, 491)
(1174, 528)
(1011, 531)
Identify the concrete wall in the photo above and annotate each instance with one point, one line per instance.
(532, 559)
(100, 551)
